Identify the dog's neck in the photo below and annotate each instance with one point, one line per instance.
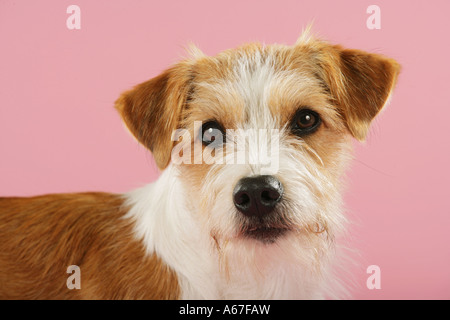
(168, 228)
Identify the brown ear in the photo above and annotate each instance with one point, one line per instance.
(152, 110)
(361, 83)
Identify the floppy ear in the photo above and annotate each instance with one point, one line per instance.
(361, 83)
(152, 110)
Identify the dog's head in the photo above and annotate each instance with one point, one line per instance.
(298, 106)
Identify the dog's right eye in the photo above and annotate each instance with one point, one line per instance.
(212, 131)
(306, 122)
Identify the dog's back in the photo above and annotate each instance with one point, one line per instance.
(40, 237)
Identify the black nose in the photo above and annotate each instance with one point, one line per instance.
(258, 195)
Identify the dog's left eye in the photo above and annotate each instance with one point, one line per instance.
(305, 122)
(212, 131)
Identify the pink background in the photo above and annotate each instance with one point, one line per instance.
(60, 133)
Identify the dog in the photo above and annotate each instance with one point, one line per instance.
(212, 227)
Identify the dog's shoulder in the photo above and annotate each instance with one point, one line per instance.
(40, 237)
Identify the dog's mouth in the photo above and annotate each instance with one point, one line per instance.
(264, 233)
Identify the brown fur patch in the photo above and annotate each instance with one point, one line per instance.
(359, 82)
(41, 236)
(152, 110)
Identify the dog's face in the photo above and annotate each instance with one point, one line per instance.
(297, 105)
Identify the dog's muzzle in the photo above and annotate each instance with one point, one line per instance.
(256, 198)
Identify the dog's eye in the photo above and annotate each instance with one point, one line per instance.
(212, 131)
(305, 122)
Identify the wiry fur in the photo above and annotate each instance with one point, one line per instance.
(185, 225)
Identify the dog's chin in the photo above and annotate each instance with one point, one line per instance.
(265, 234)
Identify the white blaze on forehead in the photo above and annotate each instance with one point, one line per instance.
(259, 78)
(253, 77)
